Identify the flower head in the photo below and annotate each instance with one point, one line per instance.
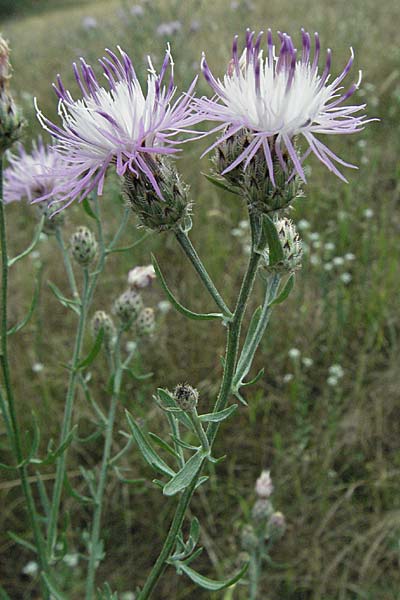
(278, 97)
(117, 125)
(141, 277)
(33, 175)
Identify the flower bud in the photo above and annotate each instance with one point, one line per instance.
(262, 510)
(128, 306)
(249, 540)
(264, 487)
(291, 246)
(141, 277)
(11, 121)
(186, 397)
(263, 195)
(146, 323)
(51, 223)
(83, 246)
(276, 526)
(159, 214)
(102, 320)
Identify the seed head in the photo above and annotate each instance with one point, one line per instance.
(128, 306)
(83, 246)
(146, 322)
(291, 246)
(154, 212)
(186, 397)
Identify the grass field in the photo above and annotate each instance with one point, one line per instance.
(332, 447)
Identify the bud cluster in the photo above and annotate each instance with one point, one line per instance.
(291, 246)
(10, 118)
(263, 195)
(164, 213)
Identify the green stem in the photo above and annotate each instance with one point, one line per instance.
(15, 440)
(192, 255)
(67, 262)
(92, 565)
(66, 425)
(233, 336)
(254, 575)
(200, 431)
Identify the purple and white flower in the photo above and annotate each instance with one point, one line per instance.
(281, 96)
(30, 176)
(118, 125)
(141, 277)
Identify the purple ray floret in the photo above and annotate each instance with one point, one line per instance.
(117, 124)
(280, 97)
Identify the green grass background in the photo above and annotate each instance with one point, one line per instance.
(333, 451)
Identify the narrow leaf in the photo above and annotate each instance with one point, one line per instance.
(202, 480)
(210, 584)
(21, 541)
(94, 350)
(74, 494)
(285, 291)
(137, 376)
(31, 310)
(51, 586)
(130, 247)
(219, 182)
(88, 210)
(164, 445)
(185, 444)
(147, 450)
(219, 416)
(63, 299)
(31, 246)
(274, 243)
(185, 476)
(179, 307)
(255, 379)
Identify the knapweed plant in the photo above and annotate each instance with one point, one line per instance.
(270, 110)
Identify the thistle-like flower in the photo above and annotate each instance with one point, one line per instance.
(273, 100)
(119, 125)
(141, 277)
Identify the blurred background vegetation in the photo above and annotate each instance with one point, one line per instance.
(325, 419)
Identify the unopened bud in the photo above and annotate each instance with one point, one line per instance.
(186, 397)
(168, 212)
(102, 320)
(128, 306)
(262, 510)
(146, 322)
(291, 246)
(51, 221)
(276, 526)
(264, 487)
(83, 246)
(249, 540)
(11, 121)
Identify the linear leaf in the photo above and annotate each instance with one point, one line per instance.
(185, 476)
(63, 299)
(21, 541)
(50, 584)
(88, 210)
(179, 307)
(164, 445)
(36, 238)
(147, 450)
(285, 291)
(274, 243)
(219, 182)
(219, 416)
(210, 584)
(93, 351)
(255, 379)
(31, 310)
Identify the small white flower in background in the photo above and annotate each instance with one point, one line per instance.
(31, 568)
(141, 277)
(287, 378)
(362, 143)
(332, 381)
(236, 232)
(350, 256)
(294, 353)
(37, 367)
(244, 224)
(314, 236)
(336, 371)
(71, 560)
(131, 346)
(368, 213)
(314, 259)
(329, 246)
(136, 10)
(303, 224)
(317, 244)
(164, 306)
(264, 487)
(89, 23)
(247, 249)
(338, 261)
(34, 255)
(307, 362)
(328, 266)
(128, 596)
(346, 277)
(169, 29)
(195, 25)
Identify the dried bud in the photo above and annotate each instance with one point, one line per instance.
(83, 246)
(102, 320)
(128, 306)
(186, 397)
(264, 487)
(146, 322)
(51, 221)
(10, 118)
(141, 277)
(158, 214)
(263, 194)
(276, 526)
(249, 540)
(262, 510)
(291, 246)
